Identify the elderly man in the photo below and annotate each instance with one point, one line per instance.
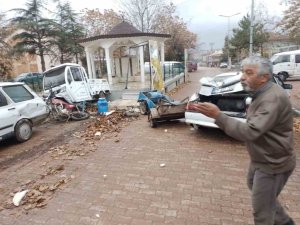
(268, 134)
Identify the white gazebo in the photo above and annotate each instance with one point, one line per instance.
(124, 52)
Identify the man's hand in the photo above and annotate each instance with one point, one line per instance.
(208, 109)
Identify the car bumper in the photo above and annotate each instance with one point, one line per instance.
(193, 118)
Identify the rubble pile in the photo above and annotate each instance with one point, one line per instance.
(38, 193)
(112, 123)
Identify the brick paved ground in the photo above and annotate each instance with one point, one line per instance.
(202, 182)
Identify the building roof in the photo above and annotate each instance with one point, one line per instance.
(121, 30)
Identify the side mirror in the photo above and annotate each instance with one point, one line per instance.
(288, 86)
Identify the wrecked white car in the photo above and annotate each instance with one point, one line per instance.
(70, 81)
(20, 110)
(226, 91)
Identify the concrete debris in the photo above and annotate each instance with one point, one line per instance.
(18, 197)
(98, 133)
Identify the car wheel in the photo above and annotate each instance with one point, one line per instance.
(152, 122)
(23, 130)
(143, 108)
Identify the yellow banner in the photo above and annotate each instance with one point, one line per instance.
(158, 81)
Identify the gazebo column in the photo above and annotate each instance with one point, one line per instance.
(142, 63)
(162, 57)
(108, 65)
(88, 59)
(162, 52)
(93, 66)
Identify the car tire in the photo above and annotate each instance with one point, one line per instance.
(152, 121)
(144, 108)
(77, 116)
(23, 130)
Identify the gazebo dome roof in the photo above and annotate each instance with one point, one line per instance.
(123, 28)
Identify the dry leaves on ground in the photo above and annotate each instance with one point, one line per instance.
(297, 124)
(112, 123)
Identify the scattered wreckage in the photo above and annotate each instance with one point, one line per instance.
(160, 107)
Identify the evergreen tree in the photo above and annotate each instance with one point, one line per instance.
(68, 31)
(241, 37)
(35, 30)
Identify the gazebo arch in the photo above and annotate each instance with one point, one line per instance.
(129, 40)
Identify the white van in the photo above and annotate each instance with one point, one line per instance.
(71, 82)
(287, 64)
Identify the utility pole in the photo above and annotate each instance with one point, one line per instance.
(211, 46)
(251, 30)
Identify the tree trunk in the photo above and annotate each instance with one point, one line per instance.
(42, 61)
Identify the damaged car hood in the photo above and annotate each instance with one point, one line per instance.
(228, 85)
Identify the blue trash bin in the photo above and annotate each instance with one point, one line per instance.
(102, 105)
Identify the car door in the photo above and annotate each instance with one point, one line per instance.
(285, 63)
(8, 116)
(297, 65)
(78, 87)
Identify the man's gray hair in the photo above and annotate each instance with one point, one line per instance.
(264, 65)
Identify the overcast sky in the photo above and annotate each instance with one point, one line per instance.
(202, 16)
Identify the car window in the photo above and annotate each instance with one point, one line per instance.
(18, 93)
(282, 58)
(3, 100)
(297, 58)
(54, 78)
(76, 73)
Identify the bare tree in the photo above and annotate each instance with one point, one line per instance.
(181, 38)
(98, 23)
(142, 13)
(6, 53)
(291, 20)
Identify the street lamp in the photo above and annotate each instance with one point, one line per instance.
(228, 37)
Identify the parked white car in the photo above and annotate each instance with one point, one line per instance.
(20, 110)
(225, 91)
